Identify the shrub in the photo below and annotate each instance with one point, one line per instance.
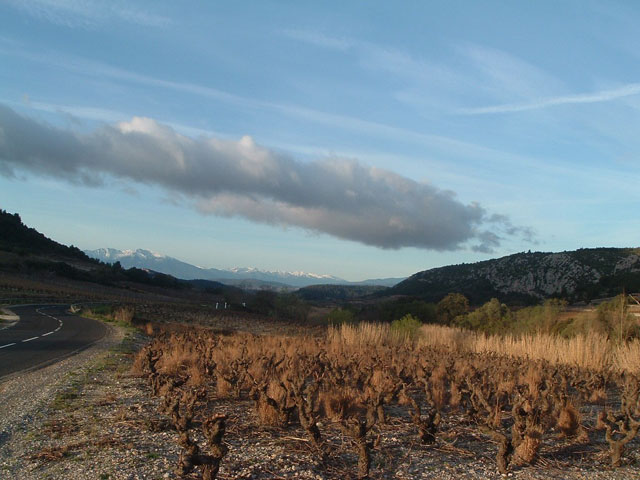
(341, 316)
(406, 327)
(492, 317)
(614, 315)
(543, 318)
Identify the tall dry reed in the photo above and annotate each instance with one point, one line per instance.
(359, 335)
(627, 356)
(593, 350)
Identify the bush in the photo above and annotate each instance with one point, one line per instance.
(543, 318)
(615, 317)
(341, 316)
(408, 326)
(492, 317)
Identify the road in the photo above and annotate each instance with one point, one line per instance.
(44, 335)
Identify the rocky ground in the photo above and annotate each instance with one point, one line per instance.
(89, 417)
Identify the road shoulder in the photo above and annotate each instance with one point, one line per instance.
(27, 399)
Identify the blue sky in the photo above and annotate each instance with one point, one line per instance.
(359, 139)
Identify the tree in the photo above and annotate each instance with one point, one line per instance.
(263, 302)
(451, 306)
(492, 317)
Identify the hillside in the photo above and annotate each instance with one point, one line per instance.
(25, 251)
(16, 237)
(578, 275)
(337, 293)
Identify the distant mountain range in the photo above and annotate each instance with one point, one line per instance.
(250, 278)
(579, 275)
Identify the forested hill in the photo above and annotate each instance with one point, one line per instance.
(577, 275)
(27, 251)
(16, 237)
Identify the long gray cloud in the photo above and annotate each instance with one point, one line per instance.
(340, 197)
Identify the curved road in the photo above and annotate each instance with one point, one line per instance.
(44, 334)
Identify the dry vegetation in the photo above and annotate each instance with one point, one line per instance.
(592, 351)
(366, 381)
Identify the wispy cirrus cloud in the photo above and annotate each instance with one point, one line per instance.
(499, 74)
(593, 97)
(471, 71)
(88, 13)
(318, 39)
(377, 57)
(92, 68)
(340, 197)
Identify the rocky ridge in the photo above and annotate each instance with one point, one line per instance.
(575, 275)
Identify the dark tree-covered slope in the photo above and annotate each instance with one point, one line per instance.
(16, 237)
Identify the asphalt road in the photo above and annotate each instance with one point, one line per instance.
(44, 335)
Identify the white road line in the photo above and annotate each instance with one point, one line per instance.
(7, 345)
(44, 334)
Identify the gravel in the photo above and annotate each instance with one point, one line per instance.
(26, 400)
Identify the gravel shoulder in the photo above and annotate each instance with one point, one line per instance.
(26, 400)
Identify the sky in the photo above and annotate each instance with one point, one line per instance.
(358, 139)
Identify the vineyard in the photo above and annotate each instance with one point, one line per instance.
(363, 400)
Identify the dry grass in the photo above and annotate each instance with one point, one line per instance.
(593, 351)
(359, 335)
(182, 357)
(124, 314)
(627, 356)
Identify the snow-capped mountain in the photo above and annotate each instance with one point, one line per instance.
(161, 263)
(153, 261)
